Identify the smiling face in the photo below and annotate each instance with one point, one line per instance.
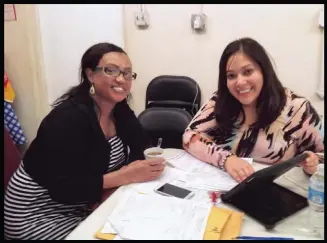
(244, 78)
(106, 85)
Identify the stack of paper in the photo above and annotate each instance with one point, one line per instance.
(189, 163)
(222, 224)
(144, 214)
(153, 217)
(219, 181)
(202, 175)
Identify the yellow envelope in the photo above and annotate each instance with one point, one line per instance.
(215, 224)
(103, 236)
(232, 228)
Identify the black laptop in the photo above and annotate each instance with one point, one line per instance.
(262, 199)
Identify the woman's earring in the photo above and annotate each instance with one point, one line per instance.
(92, 90)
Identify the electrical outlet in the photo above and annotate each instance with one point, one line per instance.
(141, 19)
(198, 22)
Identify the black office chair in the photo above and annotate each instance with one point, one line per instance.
(174, 91)
(166, 123)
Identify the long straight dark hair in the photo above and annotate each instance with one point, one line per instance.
(271, 100)
(90, 59)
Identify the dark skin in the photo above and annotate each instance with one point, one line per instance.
(110, 90)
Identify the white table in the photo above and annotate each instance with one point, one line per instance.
(288, 228)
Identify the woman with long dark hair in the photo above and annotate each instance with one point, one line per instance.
(253, 115)
(90, 141)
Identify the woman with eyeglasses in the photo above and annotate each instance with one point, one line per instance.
(253, 115)
(90, 141)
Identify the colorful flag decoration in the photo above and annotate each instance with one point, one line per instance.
(9, 92)
(10, 119)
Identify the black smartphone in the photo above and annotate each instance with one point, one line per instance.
(175, 191)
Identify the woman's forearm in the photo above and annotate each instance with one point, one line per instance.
(115, 179)
(203, 148)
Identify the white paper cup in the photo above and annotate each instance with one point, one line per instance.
(154, 152)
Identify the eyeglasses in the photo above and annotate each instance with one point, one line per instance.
(115, 72)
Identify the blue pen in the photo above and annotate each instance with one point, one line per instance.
(262, 238)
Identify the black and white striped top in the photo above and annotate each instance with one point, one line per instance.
(30, 213)
(117, 155)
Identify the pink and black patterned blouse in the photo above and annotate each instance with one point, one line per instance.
(299, 128)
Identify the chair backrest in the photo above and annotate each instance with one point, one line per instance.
(173, 91)
(167, 123)
(12, 158)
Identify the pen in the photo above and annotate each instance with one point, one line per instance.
(262, 238)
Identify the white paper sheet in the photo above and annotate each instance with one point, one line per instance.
(200, 195)
(219, 181)
(189, 163)
(201, 175)
(297, 177)
(107, 229)
(165, 218)
(117, 237)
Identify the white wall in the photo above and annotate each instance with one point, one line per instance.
(67, 31)
(43, 49)
(23, 63)
(289, 33)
